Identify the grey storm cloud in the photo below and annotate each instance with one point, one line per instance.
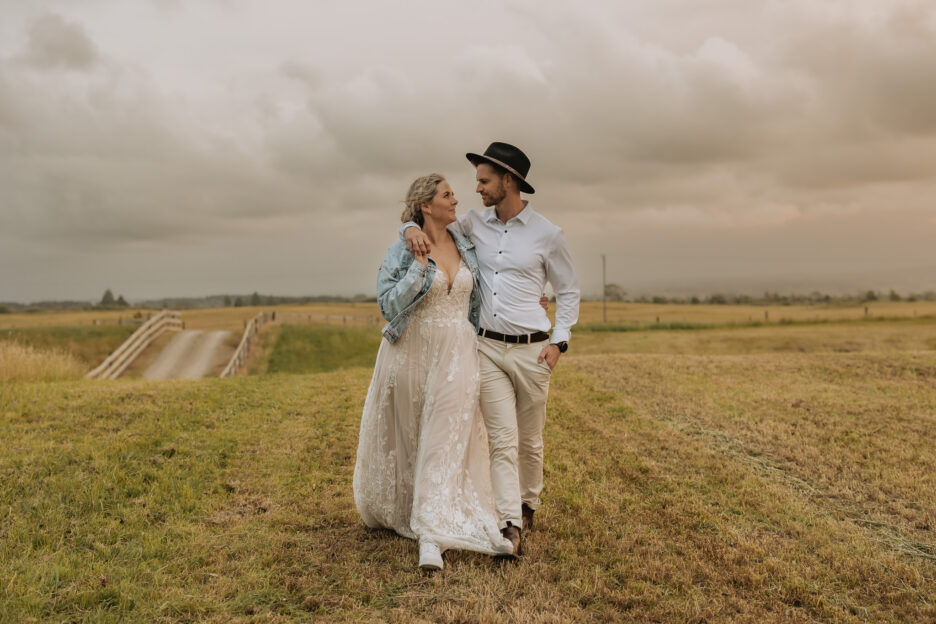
(279, 129)
(55, 42)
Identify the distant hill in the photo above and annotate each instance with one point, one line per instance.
(181, 303)
(12, 306)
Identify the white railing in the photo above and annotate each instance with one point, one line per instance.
(243, 349)
(118, 361)
(297, 317)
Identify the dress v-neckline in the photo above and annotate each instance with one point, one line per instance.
(450, 282)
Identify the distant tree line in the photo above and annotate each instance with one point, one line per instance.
(109, 302)
(613, 292)
(237, 301)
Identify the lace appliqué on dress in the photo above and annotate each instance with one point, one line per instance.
(422, 466)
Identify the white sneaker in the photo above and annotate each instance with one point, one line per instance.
(430, 557)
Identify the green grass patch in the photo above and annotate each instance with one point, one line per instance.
(760, 488)
(320, 348)
(89, 344)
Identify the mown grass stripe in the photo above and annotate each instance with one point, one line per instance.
(223, 500)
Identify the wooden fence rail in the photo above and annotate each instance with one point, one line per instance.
(123, 356)
(253, 327)
(243, 349)
(296, 317)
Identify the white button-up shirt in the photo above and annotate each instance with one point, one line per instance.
(517, 259)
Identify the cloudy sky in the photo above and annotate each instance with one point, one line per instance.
(163, 147)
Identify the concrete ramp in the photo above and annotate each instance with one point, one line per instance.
(190, 354)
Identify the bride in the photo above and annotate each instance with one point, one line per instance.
(422, 463)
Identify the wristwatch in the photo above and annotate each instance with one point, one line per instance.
(563, 346)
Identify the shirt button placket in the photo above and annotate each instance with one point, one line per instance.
(500, 255)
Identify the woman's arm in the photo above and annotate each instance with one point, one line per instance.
(416, 240)
(398, 287)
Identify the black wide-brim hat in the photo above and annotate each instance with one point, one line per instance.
(508, 157)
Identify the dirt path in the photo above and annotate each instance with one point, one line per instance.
(190, 354)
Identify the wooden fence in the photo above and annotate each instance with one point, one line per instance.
(120, 320)
(123, 356)
(337, 319)
(243, 349)
(256, 323)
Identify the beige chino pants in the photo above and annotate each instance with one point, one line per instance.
(514, 387)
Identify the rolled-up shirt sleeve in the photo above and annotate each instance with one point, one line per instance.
(405, 227)
(560, 272)
(462, 225)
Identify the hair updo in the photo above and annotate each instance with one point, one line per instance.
(421, 191)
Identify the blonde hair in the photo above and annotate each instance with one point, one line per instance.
(421, 191)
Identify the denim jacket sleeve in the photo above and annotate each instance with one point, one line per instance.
(400, 280)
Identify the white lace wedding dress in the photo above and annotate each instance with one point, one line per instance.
(422, 464)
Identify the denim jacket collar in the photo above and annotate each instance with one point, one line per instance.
(463, 242)
(402, 283)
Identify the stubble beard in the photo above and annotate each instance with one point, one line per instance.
(494, 198)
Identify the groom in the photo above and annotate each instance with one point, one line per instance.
(519, 251)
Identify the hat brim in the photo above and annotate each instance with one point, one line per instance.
(525, 187)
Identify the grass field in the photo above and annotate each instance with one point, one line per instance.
(320, 348)
(207, 318)
(323, 347)
(22, 362)
(591, 312)
(88, 344)
(73, 318)
(844, 337)
(235, 318)
(753, 474)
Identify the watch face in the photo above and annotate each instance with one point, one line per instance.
(563, 346)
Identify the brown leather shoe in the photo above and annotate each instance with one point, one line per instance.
(513, 534)
(527, 518)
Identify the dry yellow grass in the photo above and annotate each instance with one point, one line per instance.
(235, 318)
(89, 344)
(774, 487)
(845, 337)
(756, 474)
(71, 318)
(591, 312)
(19, 362)
(204, 318)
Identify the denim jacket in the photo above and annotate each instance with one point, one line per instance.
(402, 282)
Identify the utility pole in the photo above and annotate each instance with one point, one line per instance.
(604, 292)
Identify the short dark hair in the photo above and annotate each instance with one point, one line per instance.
(501, 171)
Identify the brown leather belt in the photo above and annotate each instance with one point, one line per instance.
(524, 339)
